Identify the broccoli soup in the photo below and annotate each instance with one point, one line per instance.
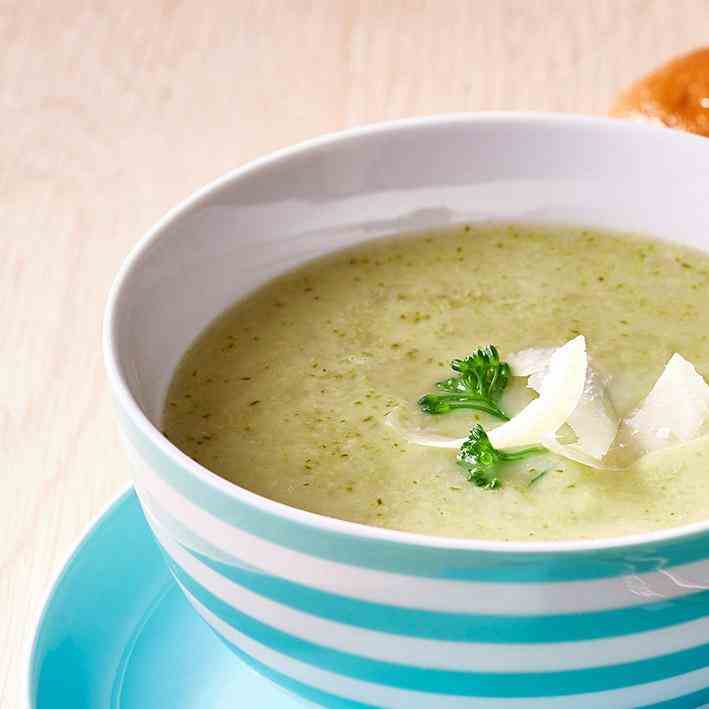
(492, 382)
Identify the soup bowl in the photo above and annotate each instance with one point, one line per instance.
(347, 615)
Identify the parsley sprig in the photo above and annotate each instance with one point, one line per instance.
(481, 460)
(481, 379)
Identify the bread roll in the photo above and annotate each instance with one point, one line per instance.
(676, 95)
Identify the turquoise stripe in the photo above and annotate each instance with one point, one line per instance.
(439, 625)
(414, 559)
(467, 627)
(458, 683)
(687, 701)
(318, 696)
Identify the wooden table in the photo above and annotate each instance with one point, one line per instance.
(111, 112)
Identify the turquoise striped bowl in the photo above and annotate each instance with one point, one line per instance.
(345, 615)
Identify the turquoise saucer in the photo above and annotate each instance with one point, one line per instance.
(116, 633)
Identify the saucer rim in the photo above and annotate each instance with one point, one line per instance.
(27, 694)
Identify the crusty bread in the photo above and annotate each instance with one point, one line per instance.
(676, 95)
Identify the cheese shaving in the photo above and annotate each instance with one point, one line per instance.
(559, 394)
(594, 420)
(420, 436)
(673, 412)
(573, 451)
(530, 361)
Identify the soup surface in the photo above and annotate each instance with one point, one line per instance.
(286, 393)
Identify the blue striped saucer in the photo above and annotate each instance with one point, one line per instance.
(117, 633)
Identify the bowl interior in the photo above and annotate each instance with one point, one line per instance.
(262, 220)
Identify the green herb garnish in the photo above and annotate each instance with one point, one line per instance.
(481, 379)
(480, 459)
(537, 477)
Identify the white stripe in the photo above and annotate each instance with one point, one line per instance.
(395, 698)
(422, 652)
(450, 596)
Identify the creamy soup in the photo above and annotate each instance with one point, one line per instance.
(286, 393)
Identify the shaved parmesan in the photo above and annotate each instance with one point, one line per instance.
(530, 361)
(559, 394)
(420, 436)
(594, 420)
(573, 451)
(673, 412)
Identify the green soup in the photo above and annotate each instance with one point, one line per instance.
(286, 393)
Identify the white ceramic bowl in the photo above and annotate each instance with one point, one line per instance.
(348, 615)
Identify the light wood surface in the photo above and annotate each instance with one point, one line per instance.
(111, 112)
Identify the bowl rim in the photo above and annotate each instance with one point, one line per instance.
(160, 229)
